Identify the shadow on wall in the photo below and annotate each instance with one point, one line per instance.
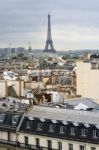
(12, 92)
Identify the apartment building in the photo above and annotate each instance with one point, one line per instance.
(88, 79)
(59, 129)
(47, 127)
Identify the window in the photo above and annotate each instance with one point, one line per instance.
(26, 140)
(83, 132)
(39, 127)
(59, 145)
(28, 124)
(70, 146)
(72, 131)
(2, 116)
(14, 119)
(95, 133)
(62, 129)
(81, 147)
(51, 128)
(92, 148)
(9, 136)
(49, 144)
(37, 142)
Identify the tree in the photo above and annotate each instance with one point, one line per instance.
(66, 57)
(20, 55)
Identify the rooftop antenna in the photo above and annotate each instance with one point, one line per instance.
(9, 48)
(29, 43)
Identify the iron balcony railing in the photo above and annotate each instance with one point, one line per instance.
(24, 146)
(34, 147)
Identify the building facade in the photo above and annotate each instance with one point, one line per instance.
(49, 128)
(58, 129)
(88, 79)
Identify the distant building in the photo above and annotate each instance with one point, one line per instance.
(87, 56)
(88, 79)
(13, 50)
(11, 88)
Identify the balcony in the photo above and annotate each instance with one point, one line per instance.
(33, 147)
(22, 146)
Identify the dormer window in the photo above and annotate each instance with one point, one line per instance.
(61, 129)
(15, 119)
(72, 131)
(39, 126)
(51, 128)
(28, 124)
(2, 116)
(83, 132)
(95, 134)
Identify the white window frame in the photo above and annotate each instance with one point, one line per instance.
(28, 126)
(2, 116)
(15, 119)
(72, 131)
(61, 129)
(51, 128)
(83, 132)
(39, 126)
(95, 134)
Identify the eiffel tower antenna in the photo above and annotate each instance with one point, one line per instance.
(49, 47)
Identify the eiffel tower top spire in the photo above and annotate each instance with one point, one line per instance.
(49, 47)
(49, 29)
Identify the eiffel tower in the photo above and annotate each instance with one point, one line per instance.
(49, 47)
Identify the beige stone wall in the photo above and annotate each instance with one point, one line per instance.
(87, 81)
(43, 142)
(3, 135)
(18, 86)
(3, 88)
(34, 85)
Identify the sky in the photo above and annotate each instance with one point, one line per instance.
(74, 23)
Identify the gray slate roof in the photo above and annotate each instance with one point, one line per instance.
(90, 103)
(67, 115)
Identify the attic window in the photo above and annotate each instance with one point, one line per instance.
(39, 126)
(28, 124)
(83, 132)
(61, 129)
(14, 119)
(72, 131)
(51, 128)
(2, 116)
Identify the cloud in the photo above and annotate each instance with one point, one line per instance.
(75, 23)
